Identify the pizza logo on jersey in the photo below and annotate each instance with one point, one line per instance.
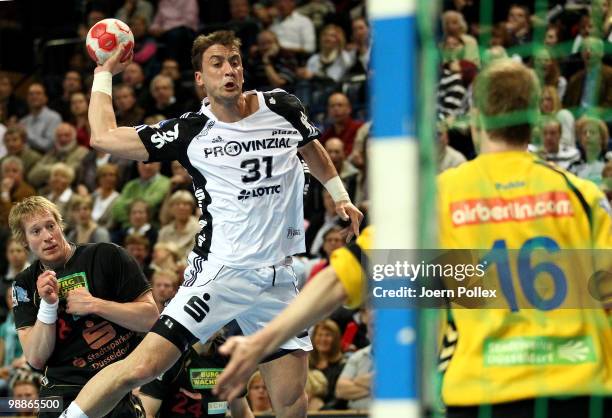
(259, 192)
(312, 131)
(160, 139)
(518, 209)
(235, 148)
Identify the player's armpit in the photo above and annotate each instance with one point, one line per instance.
(121, 142)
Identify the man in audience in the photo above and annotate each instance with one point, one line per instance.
(134, 77)
(343, 125)
(295, 32)
(11, 107)
(348, 173)
(40, 122)
(518, 25)
(15, 141)
(72, 84)
(592, 86)
(127, 110)
(65, 150)
(552, 150)
(164, 102)
(13, 187)
(150, 186)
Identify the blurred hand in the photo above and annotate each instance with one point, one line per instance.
(47, 287)
(7, 184)
(245, 355)
(346, 210)
(80, 302)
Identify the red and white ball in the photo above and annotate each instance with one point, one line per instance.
(105, 37)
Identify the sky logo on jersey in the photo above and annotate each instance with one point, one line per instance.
(235, 148)
(160, 139)
(259, 192)
(518, 209)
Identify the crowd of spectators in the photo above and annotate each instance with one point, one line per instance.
(320, 51)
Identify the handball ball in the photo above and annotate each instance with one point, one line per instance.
(105, 37)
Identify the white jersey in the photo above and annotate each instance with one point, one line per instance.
(247, 177)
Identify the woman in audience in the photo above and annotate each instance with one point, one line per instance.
(184, 226)
(332, 240)
(316, 389)
(105, 195)
(332, 61)
(85, 230)
(550, 104)
(78, 110)
(326, 356)
(257, 394)
(139, 224)
(593, 138)
(180, 180)
(165, 257)
(454, 25)
(548, 71)
(60, 193)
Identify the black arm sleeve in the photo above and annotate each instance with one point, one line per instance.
(168, 140)
(289, 107)
(24, 308)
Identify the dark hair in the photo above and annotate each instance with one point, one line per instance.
(226, 38)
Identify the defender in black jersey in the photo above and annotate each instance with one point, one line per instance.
(77, 308)
(185, 390)
(241, 152)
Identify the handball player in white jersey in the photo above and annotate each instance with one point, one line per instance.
(241, 150)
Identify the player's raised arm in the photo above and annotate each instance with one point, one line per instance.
(105, 135)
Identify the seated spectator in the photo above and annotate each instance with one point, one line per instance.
(60, 178)
(316, 389)
(87, 172)
(551, 36)
(104, 196)
(518, 25)
(13, 187)
(180, 180)
(592, 86)
(320, 223)
(85, 230)
(149, 186)
(127, 111)
(171, 68)
(164, 102)
(135, 8)
(184, 226)
(134, 77)
(350, 176)
(145, 46)
(138, 247)
(11, 107)
(360, 47)
(270, 66)
(548, 71)
(332, 240)
(15, 141)
(593, 138)
(552, 150)
(65, 149)
(454, 25)
(355, 381)
(448, 157)
(139, 223)
(318, 11)
(17, 257)
(326, 356)
(165, 257)
(257, 394)
(550, 105)
(11, 352)
(175, 24)
(78, 118)
(41, 122)
(343, 125)
(332, 61)
(164, 285)
(295, 32)
(585, 29)
(71, 84)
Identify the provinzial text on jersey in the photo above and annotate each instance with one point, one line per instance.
(235, 148)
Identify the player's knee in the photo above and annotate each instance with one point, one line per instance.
(291, 397)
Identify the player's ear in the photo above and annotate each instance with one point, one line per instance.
(198, 79)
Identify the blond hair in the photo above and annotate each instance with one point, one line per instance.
(28, 208)
(63, 169)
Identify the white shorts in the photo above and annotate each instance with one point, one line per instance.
(213, 295)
